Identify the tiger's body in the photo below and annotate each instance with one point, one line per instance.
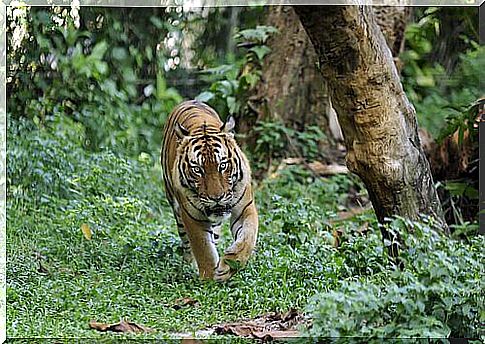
(208, 179)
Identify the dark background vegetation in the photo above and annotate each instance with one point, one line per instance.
(89, 90)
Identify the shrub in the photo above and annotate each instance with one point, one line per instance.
(439, 294)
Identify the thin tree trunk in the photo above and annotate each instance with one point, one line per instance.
(377, 120)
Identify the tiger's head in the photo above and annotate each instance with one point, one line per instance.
(208, 167)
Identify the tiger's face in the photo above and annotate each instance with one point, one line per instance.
(208, 171)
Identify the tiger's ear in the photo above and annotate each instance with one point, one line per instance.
(228, 127)
(180, 130)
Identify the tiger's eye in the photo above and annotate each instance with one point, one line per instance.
(223, 166)
(196, 170)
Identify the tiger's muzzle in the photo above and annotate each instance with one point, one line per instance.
(218, 211)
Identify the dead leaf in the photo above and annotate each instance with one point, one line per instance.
(42, 269)
(315, 167)
(327, 170)
(364, 228)
(86, 231)
(234, 329)
(336, 236)
(122, 326)
(266, 327)
(191, 341)
(40, 258)
(290, 315)
(345, 215)
(184, 302)
(268, 336)
(450, 159)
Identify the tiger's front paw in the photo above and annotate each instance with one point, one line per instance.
(226, 268)
(223, 271)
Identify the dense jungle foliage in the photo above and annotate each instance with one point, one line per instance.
(90, 235)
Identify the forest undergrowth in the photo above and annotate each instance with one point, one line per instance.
(90, 236)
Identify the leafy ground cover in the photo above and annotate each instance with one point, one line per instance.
(308, 258)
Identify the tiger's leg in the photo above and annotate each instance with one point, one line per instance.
(244, 229)
(216, 233)
(187, 252)
(203, 248)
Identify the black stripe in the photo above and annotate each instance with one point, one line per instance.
(242, 212)
(193, 218)
(229, 153)
(241, 173)
(225, 273)
(240, 198)
(237, 159)
(193, 205)
(237, 232)
(183, 180)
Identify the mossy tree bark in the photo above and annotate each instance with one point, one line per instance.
(377, 120)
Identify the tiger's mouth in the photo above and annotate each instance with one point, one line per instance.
(218, 210)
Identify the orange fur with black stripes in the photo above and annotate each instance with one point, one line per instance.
(207, 180)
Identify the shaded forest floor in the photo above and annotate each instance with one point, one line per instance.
(313, 254)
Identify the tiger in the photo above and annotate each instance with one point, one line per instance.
(207, 179)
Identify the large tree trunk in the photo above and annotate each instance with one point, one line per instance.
(291, 90)
(392, 20)
(377, 120)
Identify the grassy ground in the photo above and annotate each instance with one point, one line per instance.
(132, 267)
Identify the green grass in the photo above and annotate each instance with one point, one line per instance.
(132, 267)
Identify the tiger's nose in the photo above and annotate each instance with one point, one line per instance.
(216, 198)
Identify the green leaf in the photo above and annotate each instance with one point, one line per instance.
(205, 96)
(251, 79)
(425, 80)
(234, 264)
(101, 67)
(129, 75)
(157, 22)
(149, 53)
(260, 34)
(119, 53)
(99, 50)
(226, 87)
(456, 188)
(232, 105)
(260, 51)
